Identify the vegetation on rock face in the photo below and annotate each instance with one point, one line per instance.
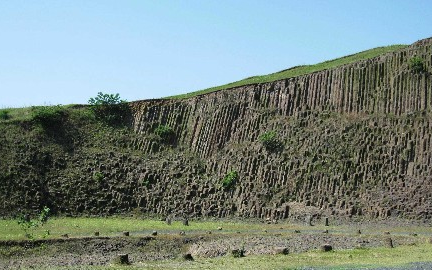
(270, 141)
(165, 133)
(98, 176)
(323, 138)
(109, 108)
(230, 179)
(416, 65)
(48, 116)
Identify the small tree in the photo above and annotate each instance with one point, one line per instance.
(106, 99)
(109, 108)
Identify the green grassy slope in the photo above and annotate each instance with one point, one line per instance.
(298, 70)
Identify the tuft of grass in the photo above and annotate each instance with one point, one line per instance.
(298, 70)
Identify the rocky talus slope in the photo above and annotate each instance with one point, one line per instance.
(355, 141)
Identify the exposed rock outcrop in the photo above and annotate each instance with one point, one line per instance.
(356, 140)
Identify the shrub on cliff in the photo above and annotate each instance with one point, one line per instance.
(109, 108)
(48, 116)
(165, 133)
(98, 176)
(270, 141)
(416, 64)
(230, 179)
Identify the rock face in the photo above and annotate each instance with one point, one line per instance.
(355, 140)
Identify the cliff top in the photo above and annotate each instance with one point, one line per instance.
(298, 70)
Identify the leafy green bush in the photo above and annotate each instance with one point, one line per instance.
(230, 179)
(4, 114)
(48, 116)
(106, 99)
(109, 108)
(416, 64)
(165, 133)
(270, 141)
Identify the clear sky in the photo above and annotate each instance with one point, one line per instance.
(65, 51)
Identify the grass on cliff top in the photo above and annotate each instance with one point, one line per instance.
(8, 115)
(13, 114)
(298, 70)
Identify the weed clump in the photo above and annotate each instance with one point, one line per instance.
(28, 225)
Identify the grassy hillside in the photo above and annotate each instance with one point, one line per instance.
(298, 70)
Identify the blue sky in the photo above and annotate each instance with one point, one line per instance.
(64, 52)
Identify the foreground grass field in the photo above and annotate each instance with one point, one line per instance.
(112, 226)
(361, 258)
(299, 70)
(345, 259)
(80, 227)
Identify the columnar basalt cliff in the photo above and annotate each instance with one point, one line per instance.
(354, 141)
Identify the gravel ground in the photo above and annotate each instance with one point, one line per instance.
(265, 244)
(100, 251)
